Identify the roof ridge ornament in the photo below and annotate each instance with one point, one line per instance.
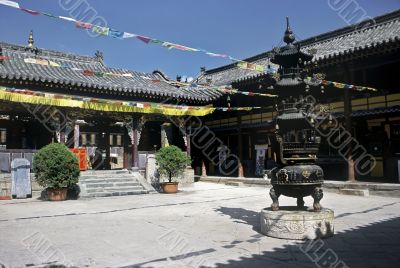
(30, 40)
(289, 36)
(99, 56)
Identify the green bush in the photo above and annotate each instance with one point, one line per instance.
(56, 167)
(171, 161)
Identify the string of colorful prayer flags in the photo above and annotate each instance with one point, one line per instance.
(256, 67)
(340, 85)
(85, 72)
(230, 109)
(106, 31)
(225, 90)
(247, 93)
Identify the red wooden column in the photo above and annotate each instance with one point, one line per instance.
(203, 169)
(135, 145)
(136, 125)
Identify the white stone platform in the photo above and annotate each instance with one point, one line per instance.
(290, 223)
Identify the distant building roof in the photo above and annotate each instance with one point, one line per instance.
(153, 85)
(386, 29)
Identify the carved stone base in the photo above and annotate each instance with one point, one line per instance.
(291, 223)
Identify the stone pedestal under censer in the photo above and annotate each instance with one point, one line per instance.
(291, 223)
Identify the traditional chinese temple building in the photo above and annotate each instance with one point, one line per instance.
(119, 116)
(368, 55)
(49, 96)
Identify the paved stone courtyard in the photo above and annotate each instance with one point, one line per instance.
(205, 225)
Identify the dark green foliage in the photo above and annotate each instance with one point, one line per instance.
(56, 167)
(171, 161)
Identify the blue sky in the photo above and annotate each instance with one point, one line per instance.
(240, 28)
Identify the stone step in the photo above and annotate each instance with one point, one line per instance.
(100, 180)
(119, 193)
(358, 192)
(114, 189)
(361, 186)
(104, 172)
(111, 184)
(234, 183)
(105, 176)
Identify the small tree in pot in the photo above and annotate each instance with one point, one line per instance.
(56, 168)
(171, 163)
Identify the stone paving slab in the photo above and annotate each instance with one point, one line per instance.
(206, 225)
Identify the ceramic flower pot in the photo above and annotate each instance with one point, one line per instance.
(169, 187)
(57, 194)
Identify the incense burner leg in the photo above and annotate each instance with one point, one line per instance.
(317, 195)
(274, 194)
(300, 203)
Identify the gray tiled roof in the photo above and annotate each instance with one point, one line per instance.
(339, 42)
(140, 83)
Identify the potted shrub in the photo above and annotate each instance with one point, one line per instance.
(171, 162)
(56, 168)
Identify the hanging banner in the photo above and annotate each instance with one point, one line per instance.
(60, 100)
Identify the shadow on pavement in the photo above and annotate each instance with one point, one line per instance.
(373, 245)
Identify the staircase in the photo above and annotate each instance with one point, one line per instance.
(106, 183)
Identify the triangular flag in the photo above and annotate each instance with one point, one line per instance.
(115, 33)
(54, 64)
(30, 60)
(50, 15)
(9, 3)
(128, 35)
(100, 30)
(30, 11)
(260, 68)
(242, 65)
(67, 18)
(216, 55)
(156, 41)
(83, 25)
(144, 38)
